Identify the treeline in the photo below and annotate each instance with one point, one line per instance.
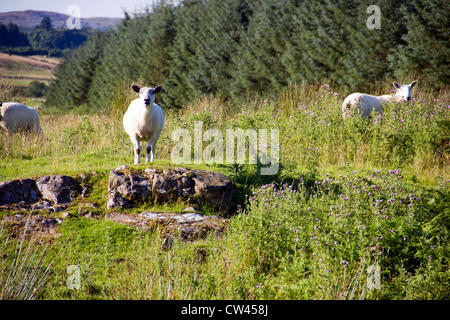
(43, 39)
(239, 48)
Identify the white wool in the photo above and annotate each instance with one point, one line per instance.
(366, 103)
(144, 120)
(15, 117)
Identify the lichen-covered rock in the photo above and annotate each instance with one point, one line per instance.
(187, 226)
(16, 191)
(126, 187)
(58, 189)
(214, 188)
(131, 187)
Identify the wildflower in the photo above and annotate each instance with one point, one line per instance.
(344, 263)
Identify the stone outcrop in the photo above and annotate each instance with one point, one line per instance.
(127, 188)
(19, 191)
(58, 189)
(188, 226)
(130, 187)
(40, 193)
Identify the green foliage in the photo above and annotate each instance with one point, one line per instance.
(43, 39)
(10, 36)
(239, 49)
(349, 194)
(73, 77)
(427, 32)
(36, 89)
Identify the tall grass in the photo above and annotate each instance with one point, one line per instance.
(25, 265)
(349, 194)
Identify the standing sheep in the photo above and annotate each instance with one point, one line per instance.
(144, 120)
(15, 117)
(366, 102)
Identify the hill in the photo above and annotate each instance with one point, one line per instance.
(28, 19)
(20, 71)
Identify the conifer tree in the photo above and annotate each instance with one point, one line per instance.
(426, 47)
(73, 76)
(257, 65)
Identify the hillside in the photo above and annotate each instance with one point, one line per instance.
(20, 71)
(28, 19)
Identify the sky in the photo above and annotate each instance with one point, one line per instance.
(88, 8)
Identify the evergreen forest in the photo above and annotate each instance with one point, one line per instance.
(238, 49)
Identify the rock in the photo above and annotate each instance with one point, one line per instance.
(65, 215)
(215, 188)
(167, 243)
(128, 188)
(16, 191)
(187, 226)
(42, 204)
(58, 189)
(34, 226)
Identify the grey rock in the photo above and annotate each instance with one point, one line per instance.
(16, 191)
(128, 188)
(58, 189)
(187, 226)
(214, 188)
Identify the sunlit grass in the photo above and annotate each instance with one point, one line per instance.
(349, 194)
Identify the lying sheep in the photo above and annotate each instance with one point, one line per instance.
(144, 120)
(365, 103)
(15, 117)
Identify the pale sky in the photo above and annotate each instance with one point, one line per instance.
(88, 8)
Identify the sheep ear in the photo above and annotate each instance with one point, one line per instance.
(413, 84)
(158, 89)
(135, 88)
(396, 85)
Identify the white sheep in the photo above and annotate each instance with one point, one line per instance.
(144, 120)
(15, 117)
(365, 103)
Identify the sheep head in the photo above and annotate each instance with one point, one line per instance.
(147, 94)
(403, 92)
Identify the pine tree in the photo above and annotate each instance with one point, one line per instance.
(258, 66)
(208, 35)
(73, 76)
(426, 50)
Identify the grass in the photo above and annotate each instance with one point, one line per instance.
(349, 195)
(20, 71)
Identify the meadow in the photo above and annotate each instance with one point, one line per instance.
(349, 196)
(20, 71)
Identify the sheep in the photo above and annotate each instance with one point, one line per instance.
(144, 120)
(366, 102)
(15, 117)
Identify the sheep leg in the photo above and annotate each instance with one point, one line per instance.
(150, 152)
(137, 150)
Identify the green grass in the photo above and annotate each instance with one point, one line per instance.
(20, 71)
(348, 195)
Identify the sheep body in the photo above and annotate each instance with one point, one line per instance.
(16, 116)
(144, 120)
(366, 103)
